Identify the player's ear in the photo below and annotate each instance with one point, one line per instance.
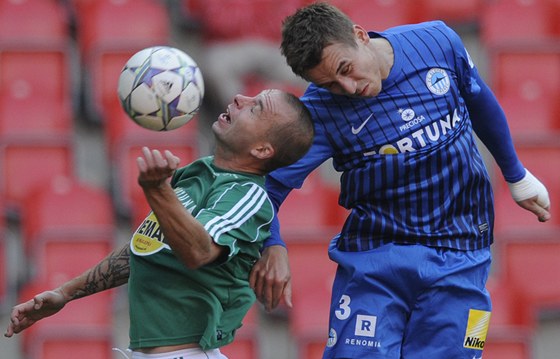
(263, 151)
(361, 34)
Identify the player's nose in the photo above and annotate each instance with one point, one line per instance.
(241, 100)
(348, 85)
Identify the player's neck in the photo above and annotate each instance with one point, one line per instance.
(385, 54)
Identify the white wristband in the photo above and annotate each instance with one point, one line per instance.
(529, 187)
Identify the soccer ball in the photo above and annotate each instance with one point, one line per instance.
(161, 88)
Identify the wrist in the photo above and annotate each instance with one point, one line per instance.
(529, 187)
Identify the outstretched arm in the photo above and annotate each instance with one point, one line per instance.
(111, 272)
(490, 124)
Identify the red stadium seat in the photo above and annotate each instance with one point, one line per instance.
(508, 344)
(32, 163)
(504, 304)
(312, 276)
(35, 97)
(36, 22)
(3, 256)
(379, 15)
(112, 25)
(260, 19)
(109, 32)
(554, 8)
(79, 346)
(544, 163)
(246, 343)
(508, 335)
(312, 210)
(512, 21)
(66, 208)
(526, 81)
(529, 265)
(102, 86)
(61, 258)
(453, 12)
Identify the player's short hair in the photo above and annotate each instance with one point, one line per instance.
(309, 30)
(291, 139)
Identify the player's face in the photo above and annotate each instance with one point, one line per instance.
(347, 70)
(248, 119)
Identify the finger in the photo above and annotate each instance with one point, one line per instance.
(268, 296)
(257, 284)
(9, 331)
(159, 161)
(148, 156)
(172, 160)
(544, 215)
(141, 163)
(14, 321)
(277, 294)
(253, 279)
(541, 212)
(288, 294)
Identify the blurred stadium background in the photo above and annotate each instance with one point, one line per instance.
(68, 189)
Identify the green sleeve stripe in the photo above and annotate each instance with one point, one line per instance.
(247, 206)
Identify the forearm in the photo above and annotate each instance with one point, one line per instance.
(184, 234)
(490, 125)
(111, 272)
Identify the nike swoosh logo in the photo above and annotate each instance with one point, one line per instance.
(355, 131)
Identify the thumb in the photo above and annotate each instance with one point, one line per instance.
(38, 302)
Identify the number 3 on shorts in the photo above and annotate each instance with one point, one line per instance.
(344, 310)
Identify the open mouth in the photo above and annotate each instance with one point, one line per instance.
(225, 117)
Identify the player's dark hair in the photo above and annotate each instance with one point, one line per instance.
(291, 139)
(309, 30)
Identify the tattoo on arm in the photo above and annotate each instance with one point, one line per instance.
(111, 272)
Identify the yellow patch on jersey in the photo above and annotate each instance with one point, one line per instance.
(477, 329)
(148, 238)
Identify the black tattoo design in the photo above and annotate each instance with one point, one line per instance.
(111, 272)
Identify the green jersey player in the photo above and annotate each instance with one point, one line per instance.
(188, 263)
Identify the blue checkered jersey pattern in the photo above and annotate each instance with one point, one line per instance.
(411, 169)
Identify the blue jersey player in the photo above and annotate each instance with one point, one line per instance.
(396, 111)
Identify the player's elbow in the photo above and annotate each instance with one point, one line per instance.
(198, 259)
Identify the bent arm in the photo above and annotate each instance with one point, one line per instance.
(185, 235)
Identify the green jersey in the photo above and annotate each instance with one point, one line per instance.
(171, 304)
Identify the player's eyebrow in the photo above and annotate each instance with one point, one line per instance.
(341, 65)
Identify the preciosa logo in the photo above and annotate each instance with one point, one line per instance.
(437, 81)
(407, 114)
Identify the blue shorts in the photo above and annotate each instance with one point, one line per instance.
(409, 301)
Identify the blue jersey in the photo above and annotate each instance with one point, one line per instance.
(411, 170)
